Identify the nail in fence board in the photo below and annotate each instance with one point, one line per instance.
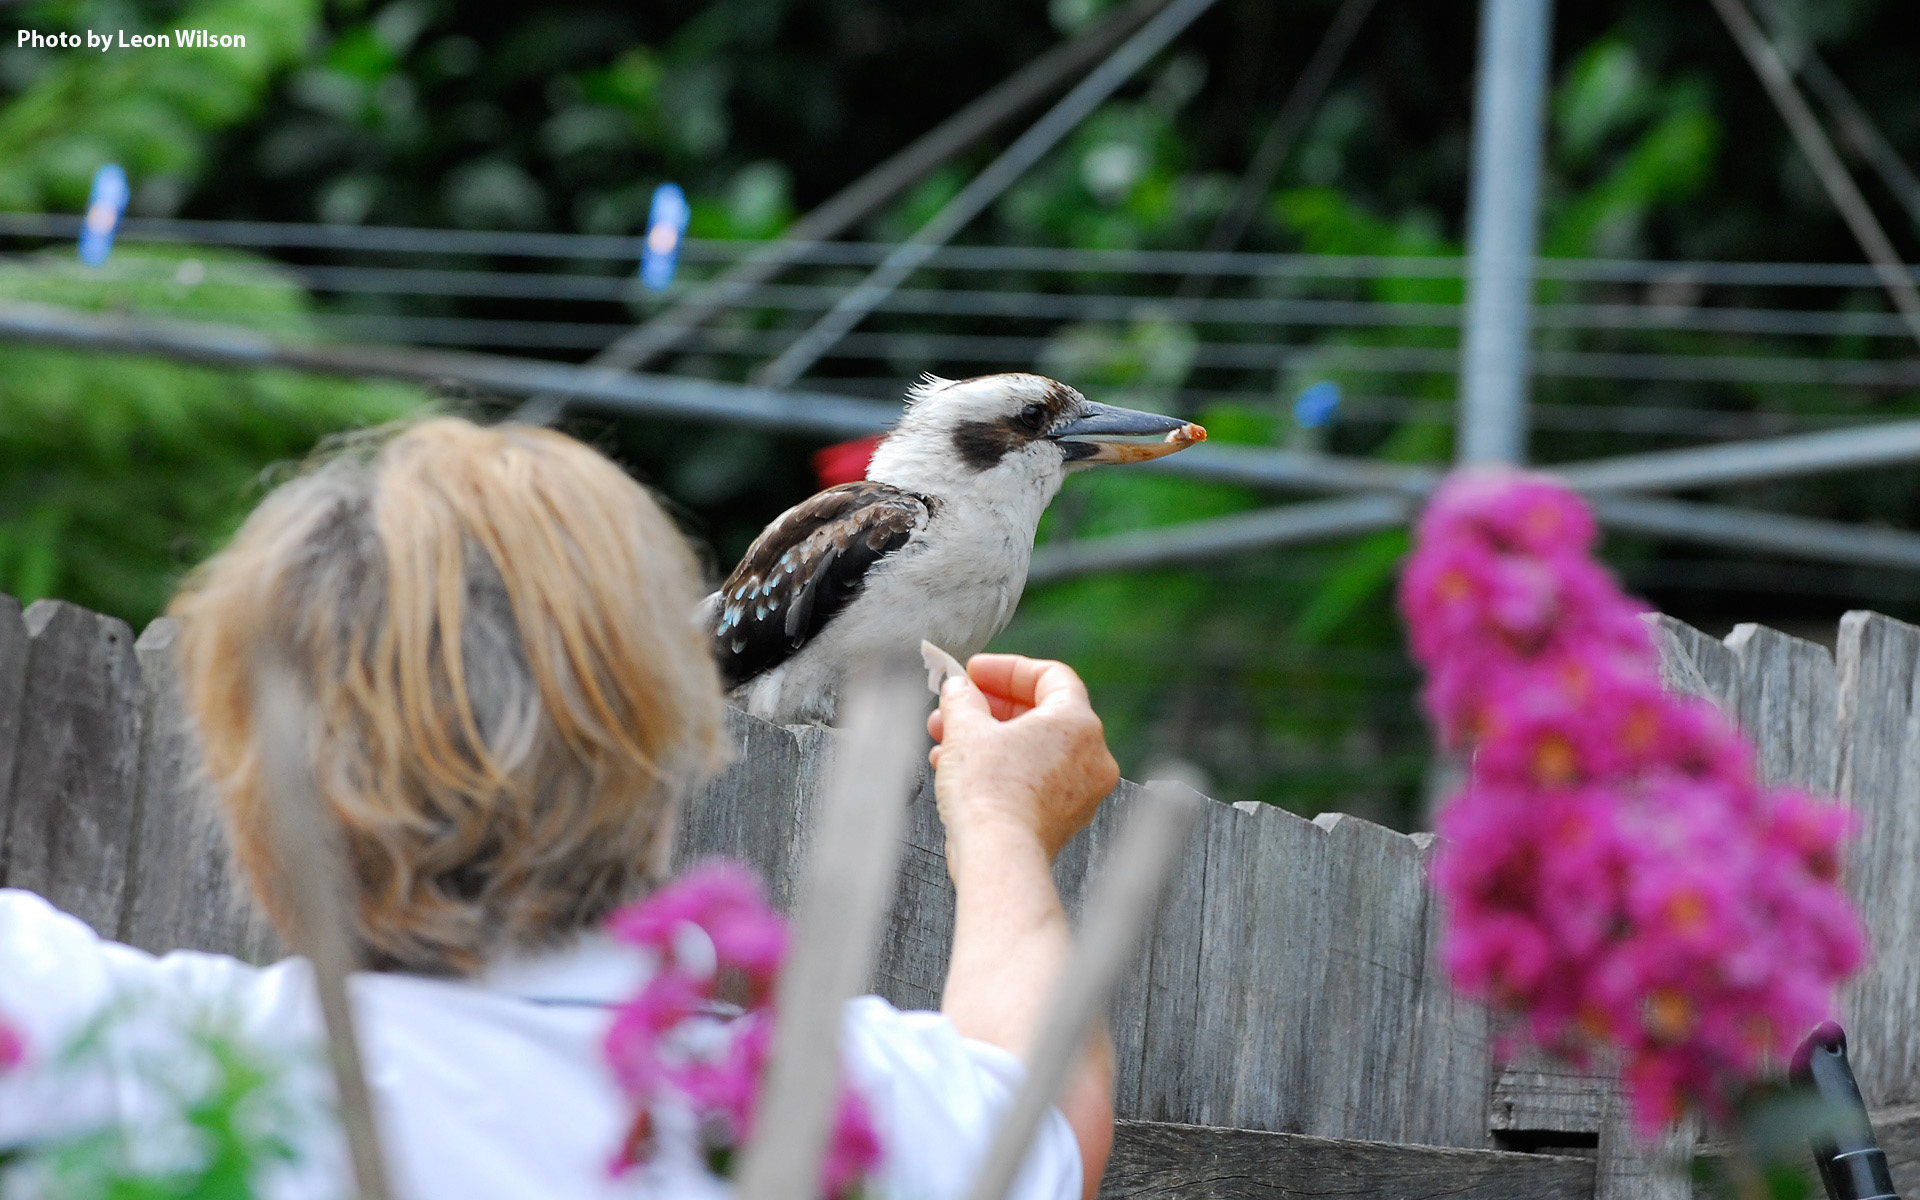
(74, 799)
(1879, 733)
(1185, 1162)
(185, 891)
(13, 680)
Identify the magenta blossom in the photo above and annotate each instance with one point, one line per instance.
(1614, 876)
(699, 1034)
(13, 1048)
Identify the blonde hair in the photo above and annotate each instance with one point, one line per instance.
(494, 628)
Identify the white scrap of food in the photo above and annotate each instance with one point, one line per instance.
(941, 666)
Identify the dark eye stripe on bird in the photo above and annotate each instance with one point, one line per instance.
(982, 444)
(805, 568)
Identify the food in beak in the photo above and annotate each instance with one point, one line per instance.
(1133, 452)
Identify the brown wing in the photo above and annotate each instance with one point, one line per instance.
(806, 567)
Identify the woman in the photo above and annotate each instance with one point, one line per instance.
(509, 703)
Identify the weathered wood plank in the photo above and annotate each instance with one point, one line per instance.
(1185, 1162)
(1452, 1058)
(1264, 963)
(748, 812)
(911, 967)
(185, 893)
(1376, 956)
(1156, 1007)
(1788, 698)
(1693, 664)
(1534, 1095)
(74, 781)
(13, 682)
(1229, 917)
(1879, 739)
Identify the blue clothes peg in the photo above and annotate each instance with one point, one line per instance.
(104, 208)
(666, 225)
(1315, 406)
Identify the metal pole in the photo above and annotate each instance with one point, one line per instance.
(1821, 156)
(319, 892)
(1509, 107)
(1288, 124)
(1765, 532)
(1193, 541)
(860, 198)
(1889, 444)
(843, 903)
(1853, 122)
(1043, 135)
(1326, 520)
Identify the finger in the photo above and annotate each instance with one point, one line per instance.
(962, 705)
(1059, 686)
(1005, 709)
(937, 725)
(1012, 676)
(933, 758)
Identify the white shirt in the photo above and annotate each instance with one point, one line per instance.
(494, 1088)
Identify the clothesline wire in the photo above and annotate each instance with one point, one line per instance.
(1015, 304)
(1048, 259)
(936, 349)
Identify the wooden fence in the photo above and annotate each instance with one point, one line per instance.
(1285, 1032)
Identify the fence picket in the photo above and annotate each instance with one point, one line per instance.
(747, 812)
(185, 893)
(71, 834)
(13, 682)
(1788, 701)
(1452, 1057)
(1275, 890)
(1376, 954)
(911, 968)
(1879, 737)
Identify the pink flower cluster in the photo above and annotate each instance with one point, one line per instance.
(699, 1033)
(13, 1048)
(1613, 874)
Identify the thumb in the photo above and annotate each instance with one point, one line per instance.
(962, 705)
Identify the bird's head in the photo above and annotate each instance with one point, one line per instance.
(1005, 431)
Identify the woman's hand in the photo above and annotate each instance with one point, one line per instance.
(1021, 767)
(1021, 749)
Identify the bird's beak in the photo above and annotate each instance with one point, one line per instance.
(1087, 438)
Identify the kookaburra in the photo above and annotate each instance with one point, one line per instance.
(933, 544)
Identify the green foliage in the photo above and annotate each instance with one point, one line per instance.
(117, 473)
(150, 111)
(218, 1110)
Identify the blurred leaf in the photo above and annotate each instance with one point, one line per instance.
(117, 473)
(148, 111)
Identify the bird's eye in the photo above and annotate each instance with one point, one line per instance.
(1033, 416)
